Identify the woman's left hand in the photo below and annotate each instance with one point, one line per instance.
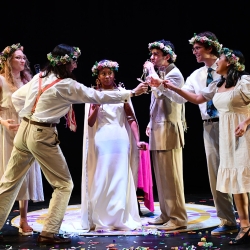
(10, 124)
(141, 145)
(241, 129)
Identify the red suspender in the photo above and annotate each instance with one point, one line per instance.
(40, 90)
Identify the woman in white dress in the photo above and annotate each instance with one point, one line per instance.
(110, 160)
(14, 73)
(231, 97)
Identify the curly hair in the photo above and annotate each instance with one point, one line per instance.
(6, 71)
(167, 43)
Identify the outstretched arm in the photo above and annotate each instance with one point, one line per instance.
(191, 97)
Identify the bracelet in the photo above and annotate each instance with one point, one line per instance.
(133, 93)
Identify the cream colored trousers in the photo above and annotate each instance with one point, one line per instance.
(169, 181)
(40, 143)
(223, 202)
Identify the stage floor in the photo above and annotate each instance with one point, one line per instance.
(201, 214)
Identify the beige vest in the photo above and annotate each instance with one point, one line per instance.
(167, 118)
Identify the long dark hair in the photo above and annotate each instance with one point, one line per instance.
(233, 75)
(59, 70)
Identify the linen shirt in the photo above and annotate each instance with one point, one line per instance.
(194, 83)
(55, 102)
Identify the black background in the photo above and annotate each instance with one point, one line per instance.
(121, 31)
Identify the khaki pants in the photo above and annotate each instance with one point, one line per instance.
(169, 181)
(40, 143)
(223, 202)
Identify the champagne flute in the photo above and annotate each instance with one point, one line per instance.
(144, 77)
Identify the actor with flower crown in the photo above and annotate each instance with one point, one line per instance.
(206, 49)
(166, 139)
(110, 157)
(231, 97)
(41, 103)
(14, 73)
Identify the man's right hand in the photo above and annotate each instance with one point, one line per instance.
(155, 81)
(140, 89)
(149, 66)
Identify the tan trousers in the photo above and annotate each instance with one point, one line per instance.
(223, 202)
(40, 143)
(169, 181)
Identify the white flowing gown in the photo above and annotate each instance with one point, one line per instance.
(109, 199)
(32, 187)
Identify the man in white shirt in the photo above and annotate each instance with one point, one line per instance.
(41, 103)
(206, 50)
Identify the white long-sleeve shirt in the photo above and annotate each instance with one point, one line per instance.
(55, 102)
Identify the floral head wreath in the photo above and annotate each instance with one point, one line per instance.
(204, 39)
(167, 49)
(8, 51)
(104, 64)
(233, 59)
(59, 60)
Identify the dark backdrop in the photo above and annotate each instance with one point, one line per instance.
(120, 31)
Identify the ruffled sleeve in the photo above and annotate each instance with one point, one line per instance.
(244, 85)
(210, 90)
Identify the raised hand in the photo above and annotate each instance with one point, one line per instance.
(141, 88)
(169, 85)
(149, 66)
(154, 81)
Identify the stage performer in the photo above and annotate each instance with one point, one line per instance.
(110, 156)
(206, 49)
(166, 139)
(41, 103)
(14, 73)
(231, 97)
